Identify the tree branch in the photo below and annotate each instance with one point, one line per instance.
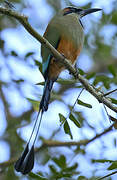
(24, 21)
(51, 143)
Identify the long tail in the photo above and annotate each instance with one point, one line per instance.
(26, 161)
(43, 106)
(46, 95)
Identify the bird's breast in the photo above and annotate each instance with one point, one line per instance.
(69, 50)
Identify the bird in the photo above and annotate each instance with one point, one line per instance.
(65, 32)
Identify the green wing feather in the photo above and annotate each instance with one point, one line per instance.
(53, 36)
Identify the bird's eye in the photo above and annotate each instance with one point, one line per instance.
(66, 11)
(70, 10)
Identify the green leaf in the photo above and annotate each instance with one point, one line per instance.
(61, 162)
(81, 178)
(74, 120)
(67, 129)
(103, 79)
(35, 176)
(34, 103)
(115, 142)
(113, 70)
(101, 161)
(28, 55)
(19, 81)
(113, 166)
(114, 101)
(62, 118)
(53, 169)
(62, 82)
(13, 53)
(84, 104)
(71, 168)
(81, 71)
(41, 83)
(39, 64)
(66, 125)
(114, 17)
(66, 175)
(91, 75)
(80, 117)
(66, 81)
(2, 44)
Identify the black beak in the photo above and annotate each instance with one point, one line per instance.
(88, 11)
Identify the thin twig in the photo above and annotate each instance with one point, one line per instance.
(76, 100)
(75, 104)
(108, 175)
(107, 113)
(72, 108)
(110, 92)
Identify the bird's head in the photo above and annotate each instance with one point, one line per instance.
(79, 12)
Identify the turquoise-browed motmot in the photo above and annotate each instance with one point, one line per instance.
(65, 33)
